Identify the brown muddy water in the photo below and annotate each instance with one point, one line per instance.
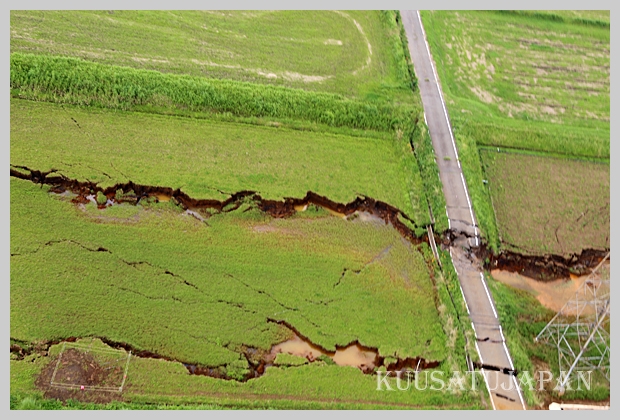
(551, 294)
(364, 358)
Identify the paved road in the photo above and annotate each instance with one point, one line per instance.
(490, 338)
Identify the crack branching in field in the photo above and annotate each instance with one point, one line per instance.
(545, 267)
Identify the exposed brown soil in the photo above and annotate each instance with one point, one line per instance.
(547, 267)
(543, 268)
(79, 368)
(551, 294)
(132, 193)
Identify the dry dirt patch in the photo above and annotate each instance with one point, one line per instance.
(79, 368)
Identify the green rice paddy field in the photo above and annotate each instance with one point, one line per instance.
(283, 103)
(203, 293)
(536, 82)
(198, 294)
(205, 158)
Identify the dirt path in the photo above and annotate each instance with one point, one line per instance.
(491, 345)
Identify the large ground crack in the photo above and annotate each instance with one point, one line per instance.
(545, 267)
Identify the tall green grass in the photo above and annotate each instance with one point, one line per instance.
(75, 81)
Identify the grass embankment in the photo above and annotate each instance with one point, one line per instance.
(349, 53)
(529, 81)
(170, 284)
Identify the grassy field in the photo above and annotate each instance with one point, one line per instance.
(532, 70)
(349, 53)
(230, 262)
(525, 81)
(556, 205)
(170, 284)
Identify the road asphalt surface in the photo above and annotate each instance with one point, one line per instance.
(490, 340)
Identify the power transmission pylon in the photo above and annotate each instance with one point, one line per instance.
(580, 330)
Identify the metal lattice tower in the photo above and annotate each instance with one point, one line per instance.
(580, 330)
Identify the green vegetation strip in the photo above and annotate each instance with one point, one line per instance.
(541, 138)
(585, 17)
(75, 81)
(429, 171)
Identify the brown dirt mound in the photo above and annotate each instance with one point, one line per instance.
(79, 368)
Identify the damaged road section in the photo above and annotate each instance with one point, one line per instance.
(546, 267)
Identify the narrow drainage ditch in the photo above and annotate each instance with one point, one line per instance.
(540, 267)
